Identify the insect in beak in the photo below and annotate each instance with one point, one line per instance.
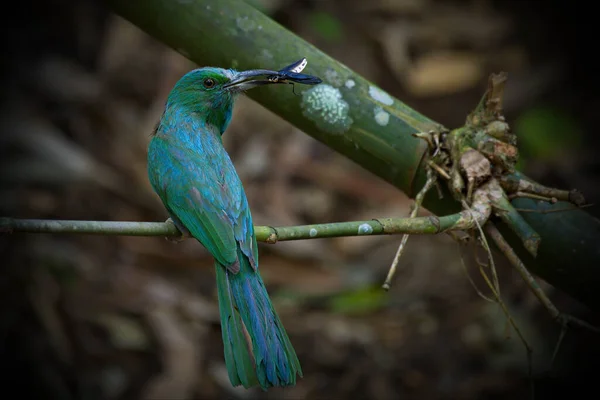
(245, 80)
(289, 75)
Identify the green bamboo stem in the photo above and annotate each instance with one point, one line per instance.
(384, 226)
(231, 33)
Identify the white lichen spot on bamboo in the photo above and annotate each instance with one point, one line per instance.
(365, 229)
(350, 83)
(313, 232)
(245, 24)
(332, 78)
(266, 55)
(325, 106)
(381, 117)
(380, 96)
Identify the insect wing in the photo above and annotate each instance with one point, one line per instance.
(295, 67)
(301, 78)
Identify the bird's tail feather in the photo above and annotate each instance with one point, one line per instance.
(257, 348)
(239, 361)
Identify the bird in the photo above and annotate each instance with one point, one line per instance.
(192, 173)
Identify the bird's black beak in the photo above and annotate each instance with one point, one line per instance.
(245, 80)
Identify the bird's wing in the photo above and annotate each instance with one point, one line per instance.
(204, 192)
(244, 231)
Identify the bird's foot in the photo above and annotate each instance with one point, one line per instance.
(184, 233)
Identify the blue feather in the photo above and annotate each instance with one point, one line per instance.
(275, 360)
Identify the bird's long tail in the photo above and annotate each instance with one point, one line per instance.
(257, 348)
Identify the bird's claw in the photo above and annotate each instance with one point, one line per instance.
(176, 239)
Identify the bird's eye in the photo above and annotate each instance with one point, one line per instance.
(209, 83)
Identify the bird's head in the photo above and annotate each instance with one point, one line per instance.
(210, 92)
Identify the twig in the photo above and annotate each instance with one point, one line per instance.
(442, 172)
(516, 182)
(431, 179)
(563, 319)
(516, 262)
(528, 349)
(473, 284)
(427, 137)
(486, 246)
(533, 196)
(553, 210)
(495, 288)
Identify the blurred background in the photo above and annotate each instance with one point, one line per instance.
(92, 317)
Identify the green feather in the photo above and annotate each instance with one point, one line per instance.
(203, 218)
(238, 359)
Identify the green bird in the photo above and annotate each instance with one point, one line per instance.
(193, 175)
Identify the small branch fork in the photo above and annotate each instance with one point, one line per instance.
(477, 163)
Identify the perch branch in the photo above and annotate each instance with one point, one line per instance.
(383, 226)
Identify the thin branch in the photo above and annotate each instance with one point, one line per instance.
(518, 183)
(383, 226)
(466, 271)
(533, 196)
(431, 179)
(512, 322)
(441, 172)
(486, 246)
(564, 320)
(516, 262)
(553, 210)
